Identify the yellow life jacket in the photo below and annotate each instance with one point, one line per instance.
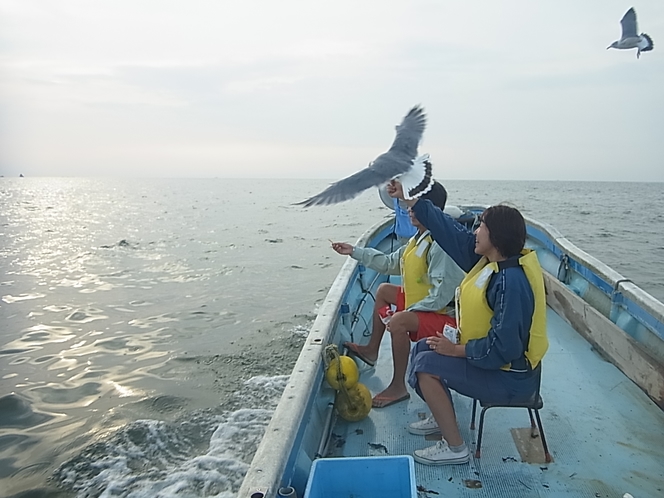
(414, 269)
(475, 313)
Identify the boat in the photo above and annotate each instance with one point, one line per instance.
(602, 391)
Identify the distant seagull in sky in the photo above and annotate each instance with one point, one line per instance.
(400, 161)
(630, 38)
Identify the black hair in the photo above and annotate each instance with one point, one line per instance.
(437, 195)
(507, 229)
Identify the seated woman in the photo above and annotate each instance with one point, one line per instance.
(502, 324)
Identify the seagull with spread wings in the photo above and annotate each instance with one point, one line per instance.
(400, 161)
(630, 38)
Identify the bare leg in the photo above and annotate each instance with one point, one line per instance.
(385, 296)
(441, 407)
(400, 324)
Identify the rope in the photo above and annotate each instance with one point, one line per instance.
(332, 353)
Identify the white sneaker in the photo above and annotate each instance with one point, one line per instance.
(424, 427)
(441, 454)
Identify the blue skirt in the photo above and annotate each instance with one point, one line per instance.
(491, 386)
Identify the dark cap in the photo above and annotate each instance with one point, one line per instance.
(437, 195)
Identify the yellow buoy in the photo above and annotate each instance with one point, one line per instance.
(348, 375)
(355, 403)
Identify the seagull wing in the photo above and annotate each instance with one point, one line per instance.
(628, 23)
(409, 133)
(349, 187)
(393, 163)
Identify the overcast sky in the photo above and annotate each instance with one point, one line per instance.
(516, 89)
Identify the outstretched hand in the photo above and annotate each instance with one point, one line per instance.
(395, 189)
(342, 248)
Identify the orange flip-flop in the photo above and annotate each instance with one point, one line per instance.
(353, 351)
(387, 401)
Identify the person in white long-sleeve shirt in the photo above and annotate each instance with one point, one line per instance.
(429, 279)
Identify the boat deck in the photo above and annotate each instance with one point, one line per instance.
(605, 435)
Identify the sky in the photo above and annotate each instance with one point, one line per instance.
(513, 89)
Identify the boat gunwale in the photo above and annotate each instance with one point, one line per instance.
(274, 455)
(622, 290)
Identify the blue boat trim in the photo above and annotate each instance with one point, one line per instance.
(640, 314)
(611, 289)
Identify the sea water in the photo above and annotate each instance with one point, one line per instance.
(148, 326)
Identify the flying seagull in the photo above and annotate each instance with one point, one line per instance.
(629, 38)
(399, 161)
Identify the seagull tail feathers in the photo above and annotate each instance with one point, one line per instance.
(650, 46)
(419, 179)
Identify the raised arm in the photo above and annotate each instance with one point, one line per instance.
(455, 239)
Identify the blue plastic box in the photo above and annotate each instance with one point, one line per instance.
(362, 477)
